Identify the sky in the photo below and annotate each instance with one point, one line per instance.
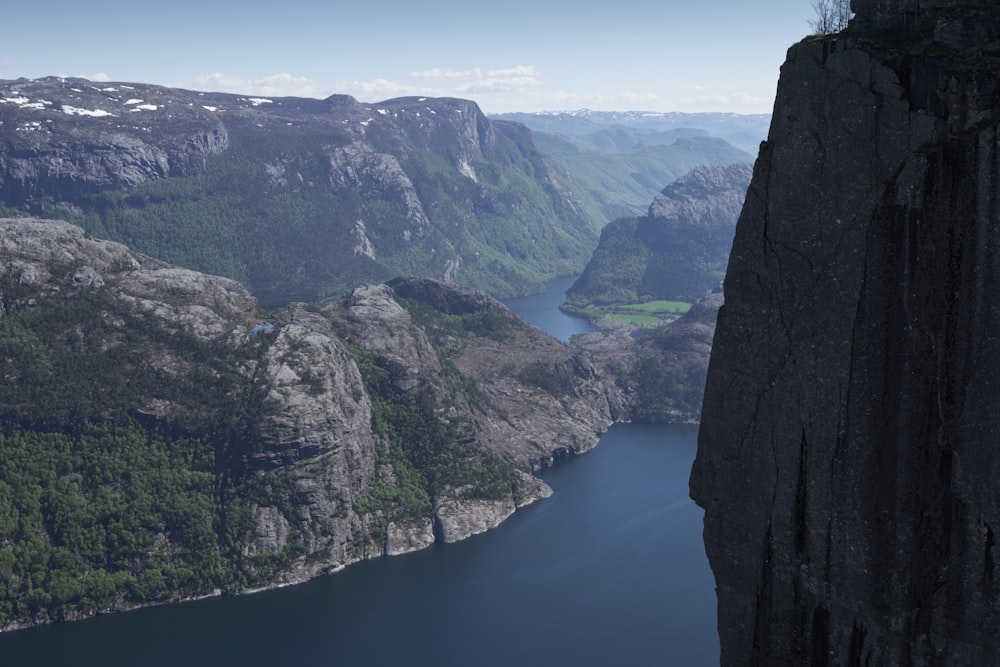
(513, 55)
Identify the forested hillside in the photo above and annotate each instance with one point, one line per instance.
(303, 199)
(162, 435)
(299, 199)
(677, 251)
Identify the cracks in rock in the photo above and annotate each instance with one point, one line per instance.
(762, 606)
(801, 501)
(989, 562)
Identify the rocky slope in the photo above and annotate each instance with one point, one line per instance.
(401, 415)
(847, 461)
(670, 364)
(404, 186)
(677, 251)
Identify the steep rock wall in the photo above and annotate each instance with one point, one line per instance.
(847, 451)
(401, 415)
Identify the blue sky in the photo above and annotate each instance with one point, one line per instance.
(518, 55)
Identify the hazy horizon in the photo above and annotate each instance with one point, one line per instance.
(716, 55)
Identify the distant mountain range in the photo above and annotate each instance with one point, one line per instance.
(300, 199)
(626, 157)
(626, 129)
(304, 199)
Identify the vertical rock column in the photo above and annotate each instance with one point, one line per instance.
(848, 461)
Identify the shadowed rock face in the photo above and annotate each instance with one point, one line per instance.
(906, 14)
(846, 458)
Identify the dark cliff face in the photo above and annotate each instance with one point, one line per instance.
(846, 458)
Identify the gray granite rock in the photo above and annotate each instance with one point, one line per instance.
(313, 454)
(847, 457)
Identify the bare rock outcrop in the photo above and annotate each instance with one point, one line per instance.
(521, 394)
(77, 136)
(458, 519)
(401, 415)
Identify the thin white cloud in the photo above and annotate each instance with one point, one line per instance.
(380, 89)
(737, 102)
(496, 90)
(274, 85)
(521, 71)
(477, 80)
(285, 85)
(496, 85)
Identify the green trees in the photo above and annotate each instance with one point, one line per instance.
(111, 508)
(99, 504)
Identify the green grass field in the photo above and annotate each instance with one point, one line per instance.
(671, 307)
(645, 314)
(648, 313)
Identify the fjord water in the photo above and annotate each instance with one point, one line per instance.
(542, 310)
(608, 571)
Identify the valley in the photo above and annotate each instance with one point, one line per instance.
(314, 410)
(302, 200)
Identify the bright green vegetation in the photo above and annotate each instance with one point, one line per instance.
(646, 314)
(85, 515)
(665, 307)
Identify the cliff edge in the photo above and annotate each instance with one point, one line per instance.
(846, 456)
(235, 448)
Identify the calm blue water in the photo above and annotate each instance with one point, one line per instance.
(608, 571)
(542, 310)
